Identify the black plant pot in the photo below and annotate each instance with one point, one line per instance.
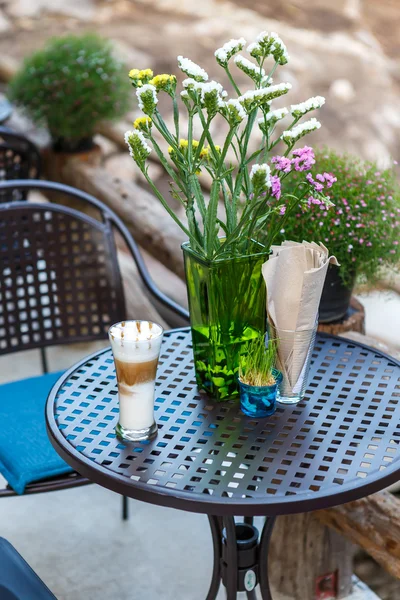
(67, 146)
(335, 299)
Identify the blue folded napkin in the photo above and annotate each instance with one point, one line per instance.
(26, 454)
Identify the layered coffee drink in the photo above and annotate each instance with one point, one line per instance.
(136, 348)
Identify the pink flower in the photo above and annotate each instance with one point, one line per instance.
(276, 186)
(311, 200)
(317, 186)
(329, 179)
(304, 158)
(282, 210)
(282, 163)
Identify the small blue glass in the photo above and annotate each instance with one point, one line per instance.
(259, 401)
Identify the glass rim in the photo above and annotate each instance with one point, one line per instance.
(278, 375)
(264, 251)
(312, 329)
(161, 330)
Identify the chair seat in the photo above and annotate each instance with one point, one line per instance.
(26, 454)
(17, 580)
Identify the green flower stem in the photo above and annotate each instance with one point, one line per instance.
(171, 213)
(167, 166)
(275, 229)
(176, 116)
(233, 82)
(280, 137)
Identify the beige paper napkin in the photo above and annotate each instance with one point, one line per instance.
(294, 276)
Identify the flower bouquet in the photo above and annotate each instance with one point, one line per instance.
(230, 232)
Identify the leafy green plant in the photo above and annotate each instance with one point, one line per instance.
(363, 228)
(70, 85)
(257, 363)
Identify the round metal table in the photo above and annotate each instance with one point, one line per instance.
(339, 444)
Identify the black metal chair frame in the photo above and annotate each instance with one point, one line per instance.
(29, 160)
(113, 223)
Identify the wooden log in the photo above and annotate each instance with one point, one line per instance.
(138, 306)
(353, 321)
(373, 523)
(307, 560)
(141, 211)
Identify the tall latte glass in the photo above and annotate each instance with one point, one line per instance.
(136, 348)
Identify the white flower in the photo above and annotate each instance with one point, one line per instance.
(304, 107)
(191, 69)
(251, 69)
(138, 147)
(211, 96)
(300, 130)
(271, 118)
(263, 95)
(147, 98)
(267, 81)
(261, 176)
(236, 104)
(228, 50)
(269, 43)
(191, 83)
(276, 46)
(254, 49)
(211, 93)
(235, 112)
(209, 87)
(275, 115)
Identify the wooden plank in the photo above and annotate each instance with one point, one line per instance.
(141, 212)
(373, 523)
(306, 557)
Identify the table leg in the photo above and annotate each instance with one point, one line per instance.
(216, 532)
(263, 558)
(231, 558)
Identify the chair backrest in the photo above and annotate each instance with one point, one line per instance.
(59, 274)
(19, 159)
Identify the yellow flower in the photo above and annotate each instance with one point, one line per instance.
(145, 74)
(218, 148)
(170, 150)
(138, 78)
(164, 82)
(183, 144)
(143, 123)
(204, 152)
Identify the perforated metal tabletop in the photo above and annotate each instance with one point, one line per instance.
(339, 444)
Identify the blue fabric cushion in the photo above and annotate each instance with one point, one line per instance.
(26, 454)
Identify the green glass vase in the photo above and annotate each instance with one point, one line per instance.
(227, 305)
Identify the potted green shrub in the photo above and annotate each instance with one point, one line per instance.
(362, 230)
(258, 379)
(69, 86)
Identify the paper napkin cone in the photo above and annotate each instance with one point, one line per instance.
(294, 276)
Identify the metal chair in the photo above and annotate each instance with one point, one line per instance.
(19, 159)
(60, 281)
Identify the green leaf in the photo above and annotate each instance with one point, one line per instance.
(210, 234)
(218, 381)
